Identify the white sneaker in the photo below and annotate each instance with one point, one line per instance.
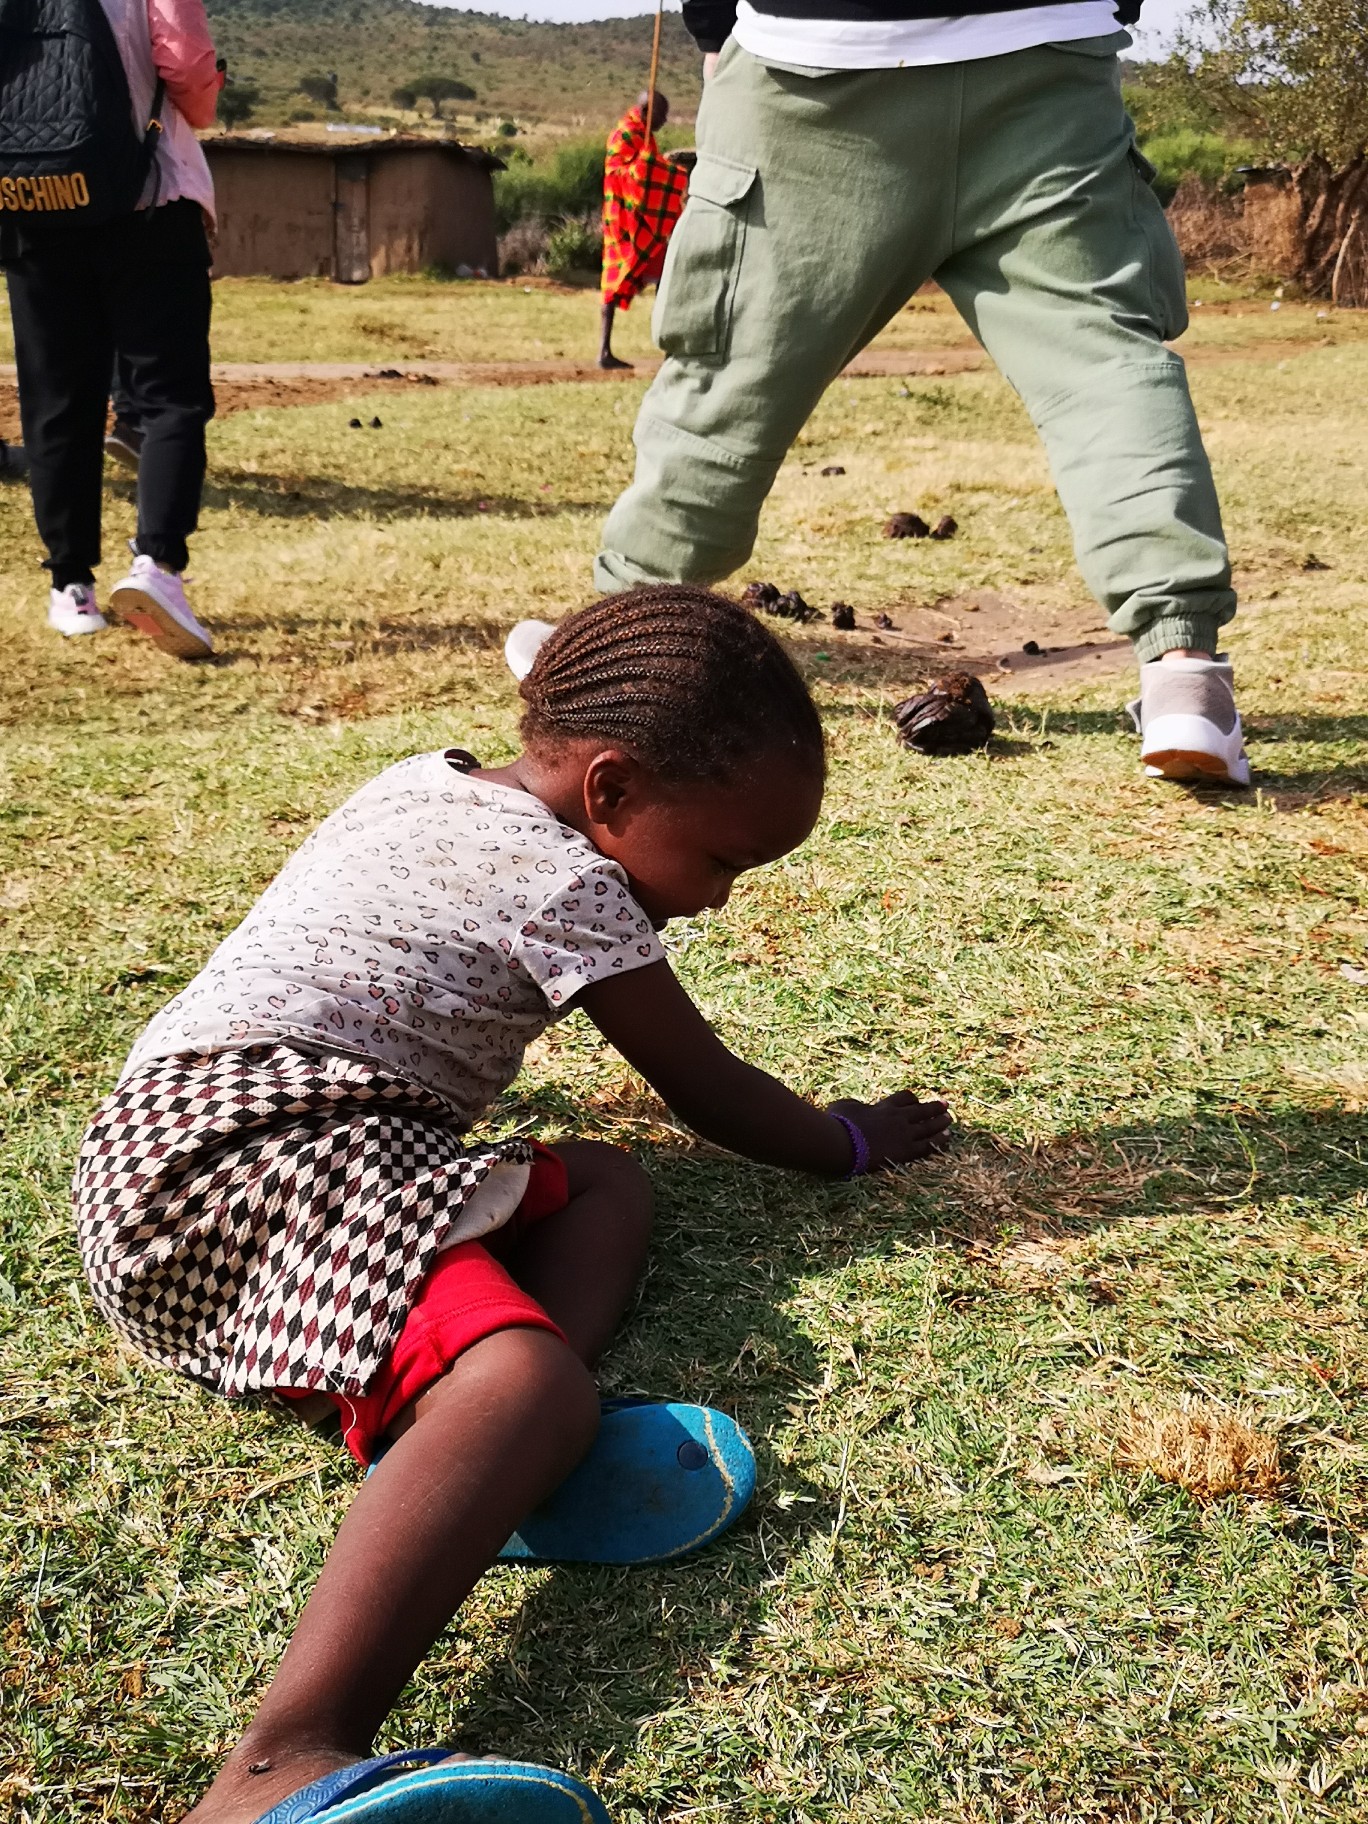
(524, 643)
(72, 611)
(1189, 725)
(153, 601)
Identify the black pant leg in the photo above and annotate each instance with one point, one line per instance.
(124, 410)
(159, 302)
(63, 350)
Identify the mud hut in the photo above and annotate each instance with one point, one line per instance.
(351, 211)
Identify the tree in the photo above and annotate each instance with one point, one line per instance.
(435, 89)
(320, 88)
(237, 101)
(1294, 75)
(446, 88)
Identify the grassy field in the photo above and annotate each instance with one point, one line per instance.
(416, 319)
(967, 1590)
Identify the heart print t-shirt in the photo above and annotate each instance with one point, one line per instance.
(435, 923)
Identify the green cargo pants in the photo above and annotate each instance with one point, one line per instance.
(820, 203)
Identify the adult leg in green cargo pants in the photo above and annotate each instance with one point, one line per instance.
(820, 202)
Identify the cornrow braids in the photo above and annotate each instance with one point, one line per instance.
(687, 680)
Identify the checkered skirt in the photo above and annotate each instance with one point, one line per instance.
(264, 1217)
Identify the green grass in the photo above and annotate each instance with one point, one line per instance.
(417, 319)
(950, 1601)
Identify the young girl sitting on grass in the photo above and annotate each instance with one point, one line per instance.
(284, 1191)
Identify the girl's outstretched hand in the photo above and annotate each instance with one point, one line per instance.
(899, 1128)
(648, 1017)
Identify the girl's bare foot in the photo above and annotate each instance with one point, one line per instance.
(252, 1781)
(246, 1789)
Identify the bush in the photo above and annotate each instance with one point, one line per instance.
(522, 249)
(574, 250)
(237, 101)
(405, 96)
(1181, 152)
(507, 130)
(569, 183)
(320, 88)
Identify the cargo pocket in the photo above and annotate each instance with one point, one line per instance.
(693, 311)
(1166, 273)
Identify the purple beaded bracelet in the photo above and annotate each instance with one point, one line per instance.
(858, 1143)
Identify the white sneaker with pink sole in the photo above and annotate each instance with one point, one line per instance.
(153, 600)
(72, 611)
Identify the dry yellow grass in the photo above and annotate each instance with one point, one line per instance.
(1206, 1448)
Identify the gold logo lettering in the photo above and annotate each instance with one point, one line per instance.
(8, 198)
(24, 186)
(78, 189)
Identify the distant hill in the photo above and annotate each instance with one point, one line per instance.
(569, 75)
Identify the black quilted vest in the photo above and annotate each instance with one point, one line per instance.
(69, 151)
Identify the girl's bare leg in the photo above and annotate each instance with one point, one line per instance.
(473, 1456)
(583, 1264)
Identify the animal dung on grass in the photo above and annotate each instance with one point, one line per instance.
(790, 607)
(1206, 1448)
(906, 525)
(953, 717)
(375, 424)
(843, 617)
(945, 528)
(833, 468)
(353, 424)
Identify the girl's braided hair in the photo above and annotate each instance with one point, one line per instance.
(690, 682)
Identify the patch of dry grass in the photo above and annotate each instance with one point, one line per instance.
(1206, 1448)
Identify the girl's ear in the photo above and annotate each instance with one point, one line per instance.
(614, 783)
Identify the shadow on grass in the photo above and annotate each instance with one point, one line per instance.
(1036, 729)
(318, 497)
(597, 1654)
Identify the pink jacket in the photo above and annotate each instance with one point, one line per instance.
(183, 53)
(170, 39)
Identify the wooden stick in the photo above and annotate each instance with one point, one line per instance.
(655, 68)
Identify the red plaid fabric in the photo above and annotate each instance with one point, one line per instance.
(643, 194)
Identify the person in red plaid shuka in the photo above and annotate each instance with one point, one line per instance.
(643, 194)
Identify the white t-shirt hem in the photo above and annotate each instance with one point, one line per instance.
(890, 44)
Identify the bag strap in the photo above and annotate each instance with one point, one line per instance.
(152, 139)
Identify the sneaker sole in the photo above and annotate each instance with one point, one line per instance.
(1183, 764)
(81, 631)
(126, 458)
(138, 609)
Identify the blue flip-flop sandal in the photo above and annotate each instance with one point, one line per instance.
(661, 1481)
(408, 1788)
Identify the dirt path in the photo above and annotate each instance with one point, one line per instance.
(243, 386)
(984, 631)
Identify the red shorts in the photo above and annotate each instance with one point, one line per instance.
(466, 1297)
